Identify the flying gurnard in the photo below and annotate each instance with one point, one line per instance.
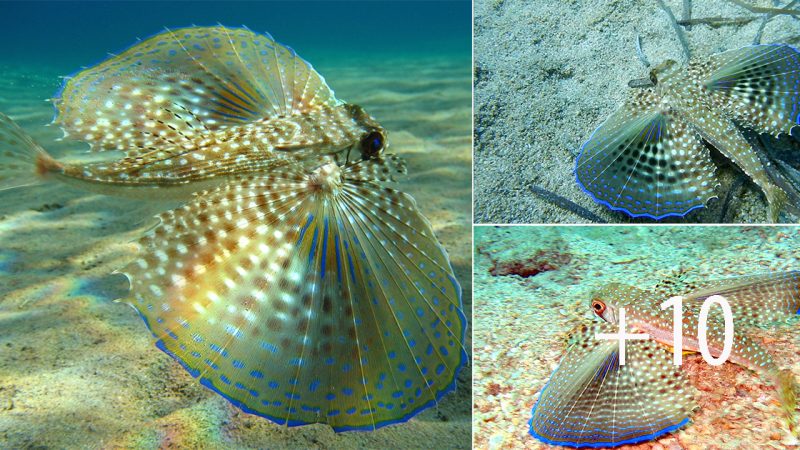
(293, 281)
(591, 400)
(648, 159)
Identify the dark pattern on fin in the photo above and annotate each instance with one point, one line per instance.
(646, 162)
(758, 85)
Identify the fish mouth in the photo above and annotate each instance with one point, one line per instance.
(327, 178)
(611, 315)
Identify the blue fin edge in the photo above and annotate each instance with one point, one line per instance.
(638, 439)
(614, 208)
(644, 438)
(294, 423)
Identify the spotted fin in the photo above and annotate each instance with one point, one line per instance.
(385, 168)
(592, 401)
(757, 300)
(306, 298)
(183, 83)
(757, 85)
(646, 161)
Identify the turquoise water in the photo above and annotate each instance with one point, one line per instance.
(68, 35)
(78, 369)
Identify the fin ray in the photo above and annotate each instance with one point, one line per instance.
(416, 289)
(345, 316)
(592, 401)
(646, 162)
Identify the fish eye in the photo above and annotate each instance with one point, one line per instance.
(653, 78)
(372, 144)
(598, 306)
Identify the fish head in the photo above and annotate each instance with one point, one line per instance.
(370, 138)
(607, 301)
(663, 71)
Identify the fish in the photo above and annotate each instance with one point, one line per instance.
(591, 400)
(293, 280)
(648, 159)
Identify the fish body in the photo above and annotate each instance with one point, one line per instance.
(241, 149)
(644, 314)
(648, 160)
(593, 401)
(178, 168)
(294, 281)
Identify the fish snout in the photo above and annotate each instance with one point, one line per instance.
(327, 178)
(373, 139)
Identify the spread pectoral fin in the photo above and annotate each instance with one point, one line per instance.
(646, 161)
(758, 85)
(593, 401)
(182, 83)
(306, 297)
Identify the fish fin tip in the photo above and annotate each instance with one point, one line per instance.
(238, 86)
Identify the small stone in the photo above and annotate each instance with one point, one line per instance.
(496, 441)
(760, 406)
(790, 441)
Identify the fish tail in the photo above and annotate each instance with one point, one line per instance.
(776, 199)
(786, 386)
(23, 162)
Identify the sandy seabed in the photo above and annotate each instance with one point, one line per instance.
(78, 370)
(547, 74)
(521, 324)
